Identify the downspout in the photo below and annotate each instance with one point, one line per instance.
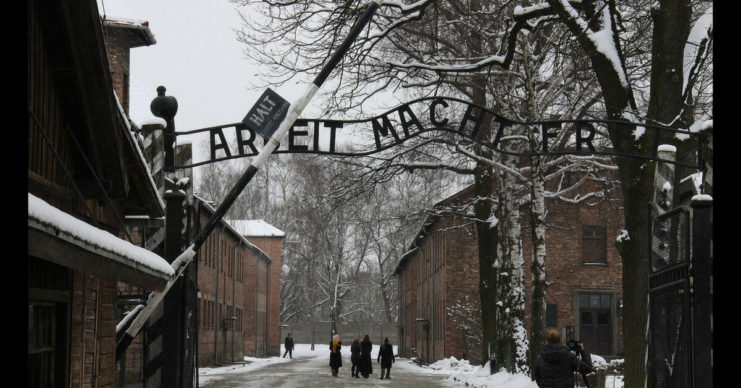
(197, 226)
(257, 296)
(433, 310)
(267, 309)
(234, 294)
(216, 302)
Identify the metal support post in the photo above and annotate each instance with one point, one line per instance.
(702, 295)
(181, 263)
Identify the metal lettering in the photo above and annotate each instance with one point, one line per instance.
(477, 120)
(383, 130)
(241, 143)
(546, 135)
(412, 120)
(292, 133)
(305, 136)
(222, 145)
(588, 139)
(333, 125)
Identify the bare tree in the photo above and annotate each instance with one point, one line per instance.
(452, 46)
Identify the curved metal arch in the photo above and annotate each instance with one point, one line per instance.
(443, 127)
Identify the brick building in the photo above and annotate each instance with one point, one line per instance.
(237, 297)
(439, 314)
(269, 239)
(85, 176)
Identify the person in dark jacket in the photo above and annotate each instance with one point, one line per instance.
(556, 364)
(386, 357)
(335, 358)
(355, 357)
(289, 346)
(366, 365)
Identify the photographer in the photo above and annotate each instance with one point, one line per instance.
(557, 363)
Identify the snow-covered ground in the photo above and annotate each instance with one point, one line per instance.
(459, 372)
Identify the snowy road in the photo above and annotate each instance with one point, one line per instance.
(311, 369)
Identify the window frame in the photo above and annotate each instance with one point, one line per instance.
(596, 236)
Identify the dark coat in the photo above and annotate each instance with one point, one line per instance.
(366, 366)
(556, 365)
(289, 343)
(335, 358)
(355, 352)
(386, 355)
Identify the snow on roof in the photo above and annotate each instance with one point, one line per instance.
(142, 159)
(256, 228)
(42, 215)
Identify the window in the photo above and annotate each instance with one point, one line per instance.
(551, 315)
(570, 178)
(594, 245)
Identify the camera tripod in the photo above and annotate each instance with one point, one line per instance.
(578, 372)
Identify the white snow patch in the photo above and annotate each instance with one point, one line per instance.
(699, 32)
(667, 148)
(623, 236)
(255, 228)
(76, 229)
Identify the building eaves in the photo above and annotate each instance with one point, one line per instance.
(256, 228)
(140, 34)
(59, 237)
(225, 224)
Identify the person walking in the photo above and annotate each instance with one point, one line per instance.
(355, 357)
(289, 346)
(386, 357)
(335, 358)
(366, 365)
(556, 363)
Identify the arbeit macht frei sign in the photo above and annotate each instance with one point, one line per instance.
(426, 116)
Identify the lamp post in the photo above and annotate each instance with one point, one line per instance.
(178, 361)
(181, 263)
(166, 107)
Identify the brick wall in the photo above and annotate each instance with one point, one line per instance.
(223, 279)
(92, 331)
(272, 246)
(118, 49)
(566, 273)
(253, 288)
(408, 279)
(462, 321)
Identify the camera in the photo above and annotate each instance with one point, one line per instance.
(573, 345)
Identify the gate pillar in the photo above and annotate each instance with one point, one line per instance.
(702, 295)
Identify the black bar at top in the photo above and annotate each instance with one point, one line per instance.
(354, 32)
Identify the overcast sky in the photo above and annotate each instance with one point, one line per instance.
(197, 58)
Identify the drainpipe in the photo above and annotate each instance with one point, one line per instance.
(216, 302)
(197, 226)
(267, 309)
(433, 320)
(257, 293)
(234, 294)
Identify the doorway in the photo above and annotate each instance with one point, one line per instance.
(596, 322)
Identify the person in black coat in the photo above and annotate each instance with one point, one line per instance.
(289, 346)
(386, 357)
(355, 357)
(366, 365)
(556, 364)
(335, 358)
